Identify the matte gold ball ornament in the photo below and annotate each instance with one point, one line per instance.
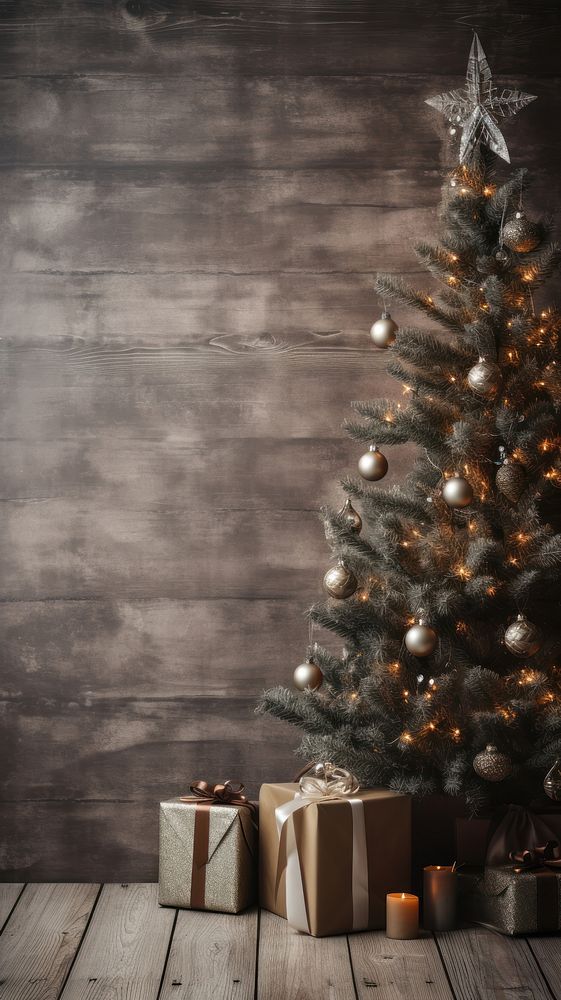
(373, 465)
(350, 516)
(383, 331)
(552, 782)
(520, 234)
(492, 765)
(421, 639)
(522, 637)
(340, 582)
(308, 676)
(485, 378)
(457, 492)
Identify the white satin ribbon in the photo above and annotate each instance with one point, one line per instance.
(296, 912)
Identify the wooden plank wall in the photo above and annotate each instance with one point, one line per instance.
(194, 197)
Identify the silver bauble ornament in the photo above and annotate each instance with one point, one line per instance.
(340, 582)
(511, 479)
(373, 465)
(308, 676)
(350, 516)
(421, 639)
(502, 256)
(457, 492)
(383, 331)
(552, 782)
(522, 638)
(491, 764)
(520, 235)
(485, 378)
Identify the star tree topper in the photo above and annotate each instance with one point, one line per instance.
(479, 106)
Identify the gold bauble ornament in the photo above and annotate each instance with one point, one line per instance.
(383, 331)
(340, 582)
(522, 637)
(485, 378)
(510, 480)
(350, 516)
(520, 235)
(457, 492)
(308, 676)
(373, 465)
(552, 782)
(492, 765)
(421, 639)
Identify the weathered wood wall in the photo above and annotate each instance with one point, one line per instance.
(194, 197)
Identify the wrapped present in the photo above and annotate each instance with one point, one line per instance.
(512, 900)
(208, 848)
(330, 852)
(491, 841)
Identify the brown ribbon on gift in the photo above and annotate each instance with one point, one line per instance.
(205, 795)
(545, 861)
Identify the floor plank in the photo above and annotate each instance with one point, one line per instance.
(41, 939)
(212, 955)
(398, 970)
(293, 966)
(485, 965)
(9, 893)
(125, 948)
(547, 952)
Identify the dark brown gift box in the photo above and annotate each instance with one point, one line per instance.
(323, 831)
(523, 902)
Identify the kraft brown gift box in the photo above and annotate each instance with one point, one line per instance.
(324, 834)
(208, 865)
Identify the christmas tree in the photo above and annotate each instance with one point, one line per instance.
(445, 590)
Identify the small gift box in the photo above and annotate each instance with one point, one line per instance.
(491, 840)
(208, 844)
(512, 900)
(329, 852)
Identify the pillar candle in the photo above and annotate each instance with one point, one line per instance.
(402, 916)
(439, 897)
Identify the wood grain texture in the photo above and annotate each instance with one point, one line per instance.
(397, 970)
(293, 966)
(124, 950)
(41, 939)
(547, 953)
(212, 955)
(9, 895)
(484, 965)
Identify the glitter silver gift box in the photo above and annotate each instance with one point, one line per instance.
(512, 902)
(222, 877)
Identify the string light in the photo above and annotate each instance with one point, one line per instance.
(394, 667)
(406, 738)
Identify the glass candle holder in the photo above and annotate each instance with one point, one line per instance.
(440, 886)
(402, 916)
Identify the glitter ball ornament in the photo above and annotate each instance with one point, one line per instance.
(351, 516)
(421, 639)
(373, 465)
(522, 638)
(511, 479)
(520, 235)
(502, 256)
(491, 764)
(308, 676)
(485, 378)
(552, 782)
(383, 331)
(457, 492)
(340, 582)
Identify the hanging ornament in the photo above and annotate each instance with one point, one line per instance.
(457, 492)
(485, 378)
(383, 331)
(373, 465)
(520, 234)
(502, 256)
(340, 582)
(421, 639)
(350, 516)
(492, 765)
(522, 638)
(308, 676)
(552, 782)
(510, 478)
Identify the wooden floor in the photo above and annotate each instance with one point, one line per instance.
(78, 941)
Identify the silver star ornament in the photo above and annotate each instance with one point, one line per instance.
(479, 106)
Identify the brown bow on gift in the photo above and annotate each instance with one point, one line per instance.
(205, 796)
(544, 856)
